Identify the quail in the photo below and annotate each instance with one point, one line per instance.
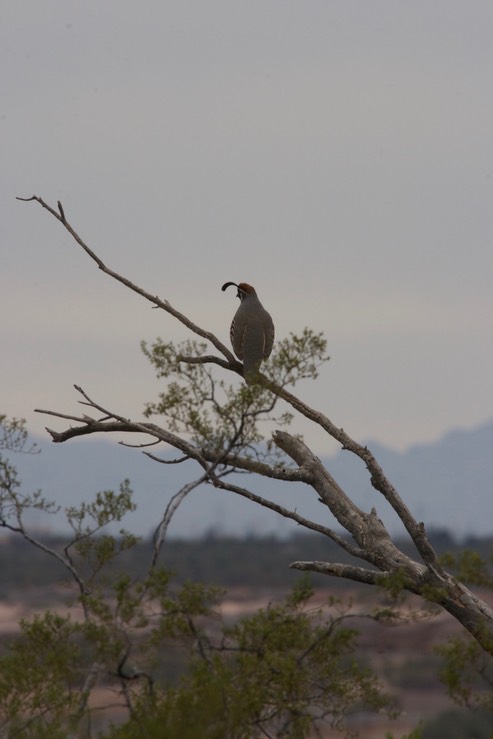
(252, 330)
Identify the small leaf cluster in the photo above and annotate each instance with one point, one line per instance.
(92, 553)
(298, 357)
(40, 677)
(467, 672)
(469, 567)
(13, 435)
(13, 502)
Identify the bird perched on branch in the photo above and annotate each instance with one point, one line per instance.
(252, 330)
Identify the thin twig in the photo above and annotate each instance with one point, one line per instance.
(166, 461)
(171, 508)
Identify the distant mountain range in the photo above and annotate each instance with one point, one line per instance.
(447, 484)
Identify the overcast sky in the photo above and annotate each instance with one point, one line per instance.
(338, 155)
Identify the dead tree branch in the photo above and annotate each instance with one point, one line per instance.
(157, 302)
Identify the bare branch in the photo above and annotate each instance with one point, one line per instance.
(378, 479)
(171, 508)
(113, 423)
(20, 529)
(286, 513)
(157, 302)
(366, 529)
(166, 461)
(348, 572)
(234, 365)
(203, 457)
(139, 446)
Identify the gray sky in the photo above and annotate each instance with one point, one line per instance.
(337, 155)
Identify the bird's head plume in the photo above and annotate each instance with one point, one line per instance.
(244, 289)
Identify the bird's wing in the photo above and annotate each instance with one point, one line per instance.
(268, 336)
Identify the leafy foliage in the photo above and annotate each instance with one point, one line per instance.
(278, 672)
(459, 724)
(467, 670)
(283, 669)
(470, 567)
(171, 662)
(13, 503)
(38, 677)
(219, 415)
(13, 435)
(467, 673)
